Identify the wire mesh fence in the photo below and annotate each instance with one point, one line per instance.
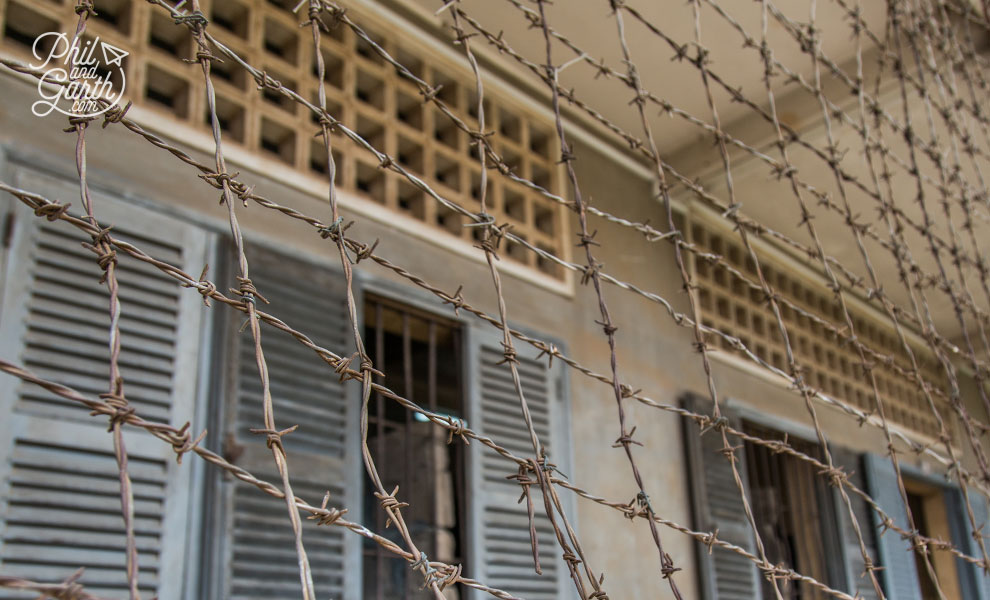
(911, 106)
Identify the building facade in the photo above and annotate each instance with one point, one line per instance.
(202, 533)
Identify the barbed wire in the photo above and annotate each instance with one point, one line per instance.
(107, 261)
(923, 26)
(341, 364)
(180, 439)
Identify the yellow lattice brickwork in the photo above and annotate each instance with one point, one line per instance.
(829, 363)
(363, 92)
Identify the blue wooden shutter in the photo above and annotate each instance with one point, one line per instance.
(500, 539)
(718, 505)
(260, 557)
(899, 574)
(859, 583)
(982, 514)
(59, 489)
(974, 582)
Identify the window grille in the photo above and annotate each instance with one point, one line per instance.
(421, 355)
(794, 513)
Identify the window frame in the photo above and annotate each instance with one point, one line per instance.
(839, 571)
(934, 502)
(403, 306)
(971, 583)
(829, 523)
(473, 330)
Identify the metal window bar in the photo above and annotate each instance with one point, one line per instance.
(422, 355)
(792, 516)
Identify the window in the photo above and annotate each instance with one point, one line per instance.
(793, 513)
(927, 504)
(462, 509)
(800, 522)
(805, 526)
(202, 533)
(939, 512)
(421, 358)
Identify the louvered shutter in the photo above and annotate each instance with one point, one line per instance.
(859, 583)
(718, 505)
(261, 559)
(60, 506)
(899, 574)
(974, 583)
(502, 554)
(982, 515)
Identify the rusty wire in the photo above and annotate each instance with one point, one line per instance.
(107, 261)
(540, 465)
(181, 442)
